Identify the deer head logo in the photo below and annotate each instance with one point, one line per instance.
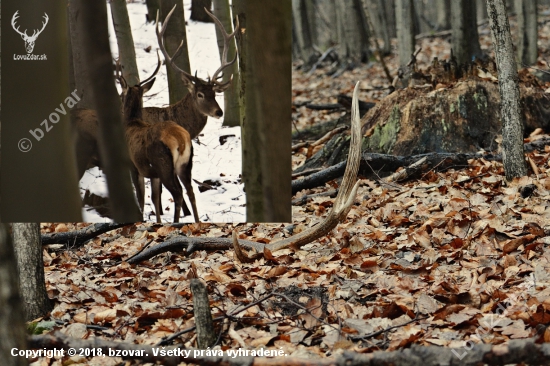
(29, 40)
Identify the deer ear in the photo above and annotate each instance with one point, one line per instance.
(148, 85)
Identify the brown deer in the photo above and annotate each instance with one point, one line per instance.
(161, 151)
(191, 112)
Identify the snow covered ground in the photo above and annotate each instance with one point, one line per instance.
(212, 161)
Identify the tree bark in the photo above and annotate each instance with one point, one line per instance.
(303, 31)
(113, 151)
(465, 39)
(174, 35)
(39, 184)
(404, 14)
(352, 35)
(443, 8)
(203, 317)
(270, 44)
(231, 113)
(28, 252)
(512, 123)
(197, 10)
(80, 65)
(153, 6)
(12, 321)
(125, 41)
(527, 50)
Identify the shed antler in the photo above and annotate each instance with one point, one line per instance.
(346, 194)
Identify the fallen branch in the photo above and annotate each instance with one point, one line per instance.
(388, 163)
(78, 238)
(524, 351)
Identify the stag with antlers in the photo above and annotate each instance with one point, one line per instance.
(161, 151)
(29, 40)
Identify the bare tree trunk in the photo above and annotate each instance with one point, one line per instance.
(80, 65)
(114, 156)
(303, 31)
(404, 14)
(250, 134)
(39, 180)
(125, 41)
(443, 14)
(153, 7)
(269, 24)
(30, 264)
(465, 40)
(12, 318)
(512, 121)
(527, 50)
(481, 10)
(380, 22)
(197, 10)
(174, 35)
(352, 36)
(231, 115)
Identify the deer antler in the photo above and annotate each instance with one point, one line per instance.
(160, 39)
(44, 23)
(13, 25)
(226, 39)
(346, 193)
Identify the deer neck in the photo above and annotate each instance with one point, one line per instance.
(187, 115)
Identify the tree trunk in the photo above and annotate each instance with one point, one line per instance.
(231, 115)
(404, 14)
(12, 318)
(527, 50)
(481, 10)
(125, 41)
(324, 15)
(197, 10)
(303, 31)
(174, 35)
(352, 36)
(512, 123)
(39, 177)
(80, 65)
(153, 6)
(113, 151)
(30, 264)
(250, 134)
(443, 8)
(269, 27)
(465, 39)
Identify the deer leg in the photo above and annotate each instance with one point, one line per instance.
(156, 189)
(170, 181)
(161, 211)
(139, 184)
(185, 177)
(84, 150)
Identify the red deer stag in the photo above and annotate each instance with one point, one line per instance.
(160, 151)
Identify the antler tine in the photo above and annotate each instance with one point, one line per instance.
(159, 63)
(160, 36)
(226, 38)
(118, 75)
(13, 20)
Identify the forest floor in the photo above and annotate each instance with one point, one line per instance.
(453, 259)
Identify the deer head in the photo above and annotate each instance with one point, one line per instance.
(29, 40)
(132, 96)
(203, 91)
